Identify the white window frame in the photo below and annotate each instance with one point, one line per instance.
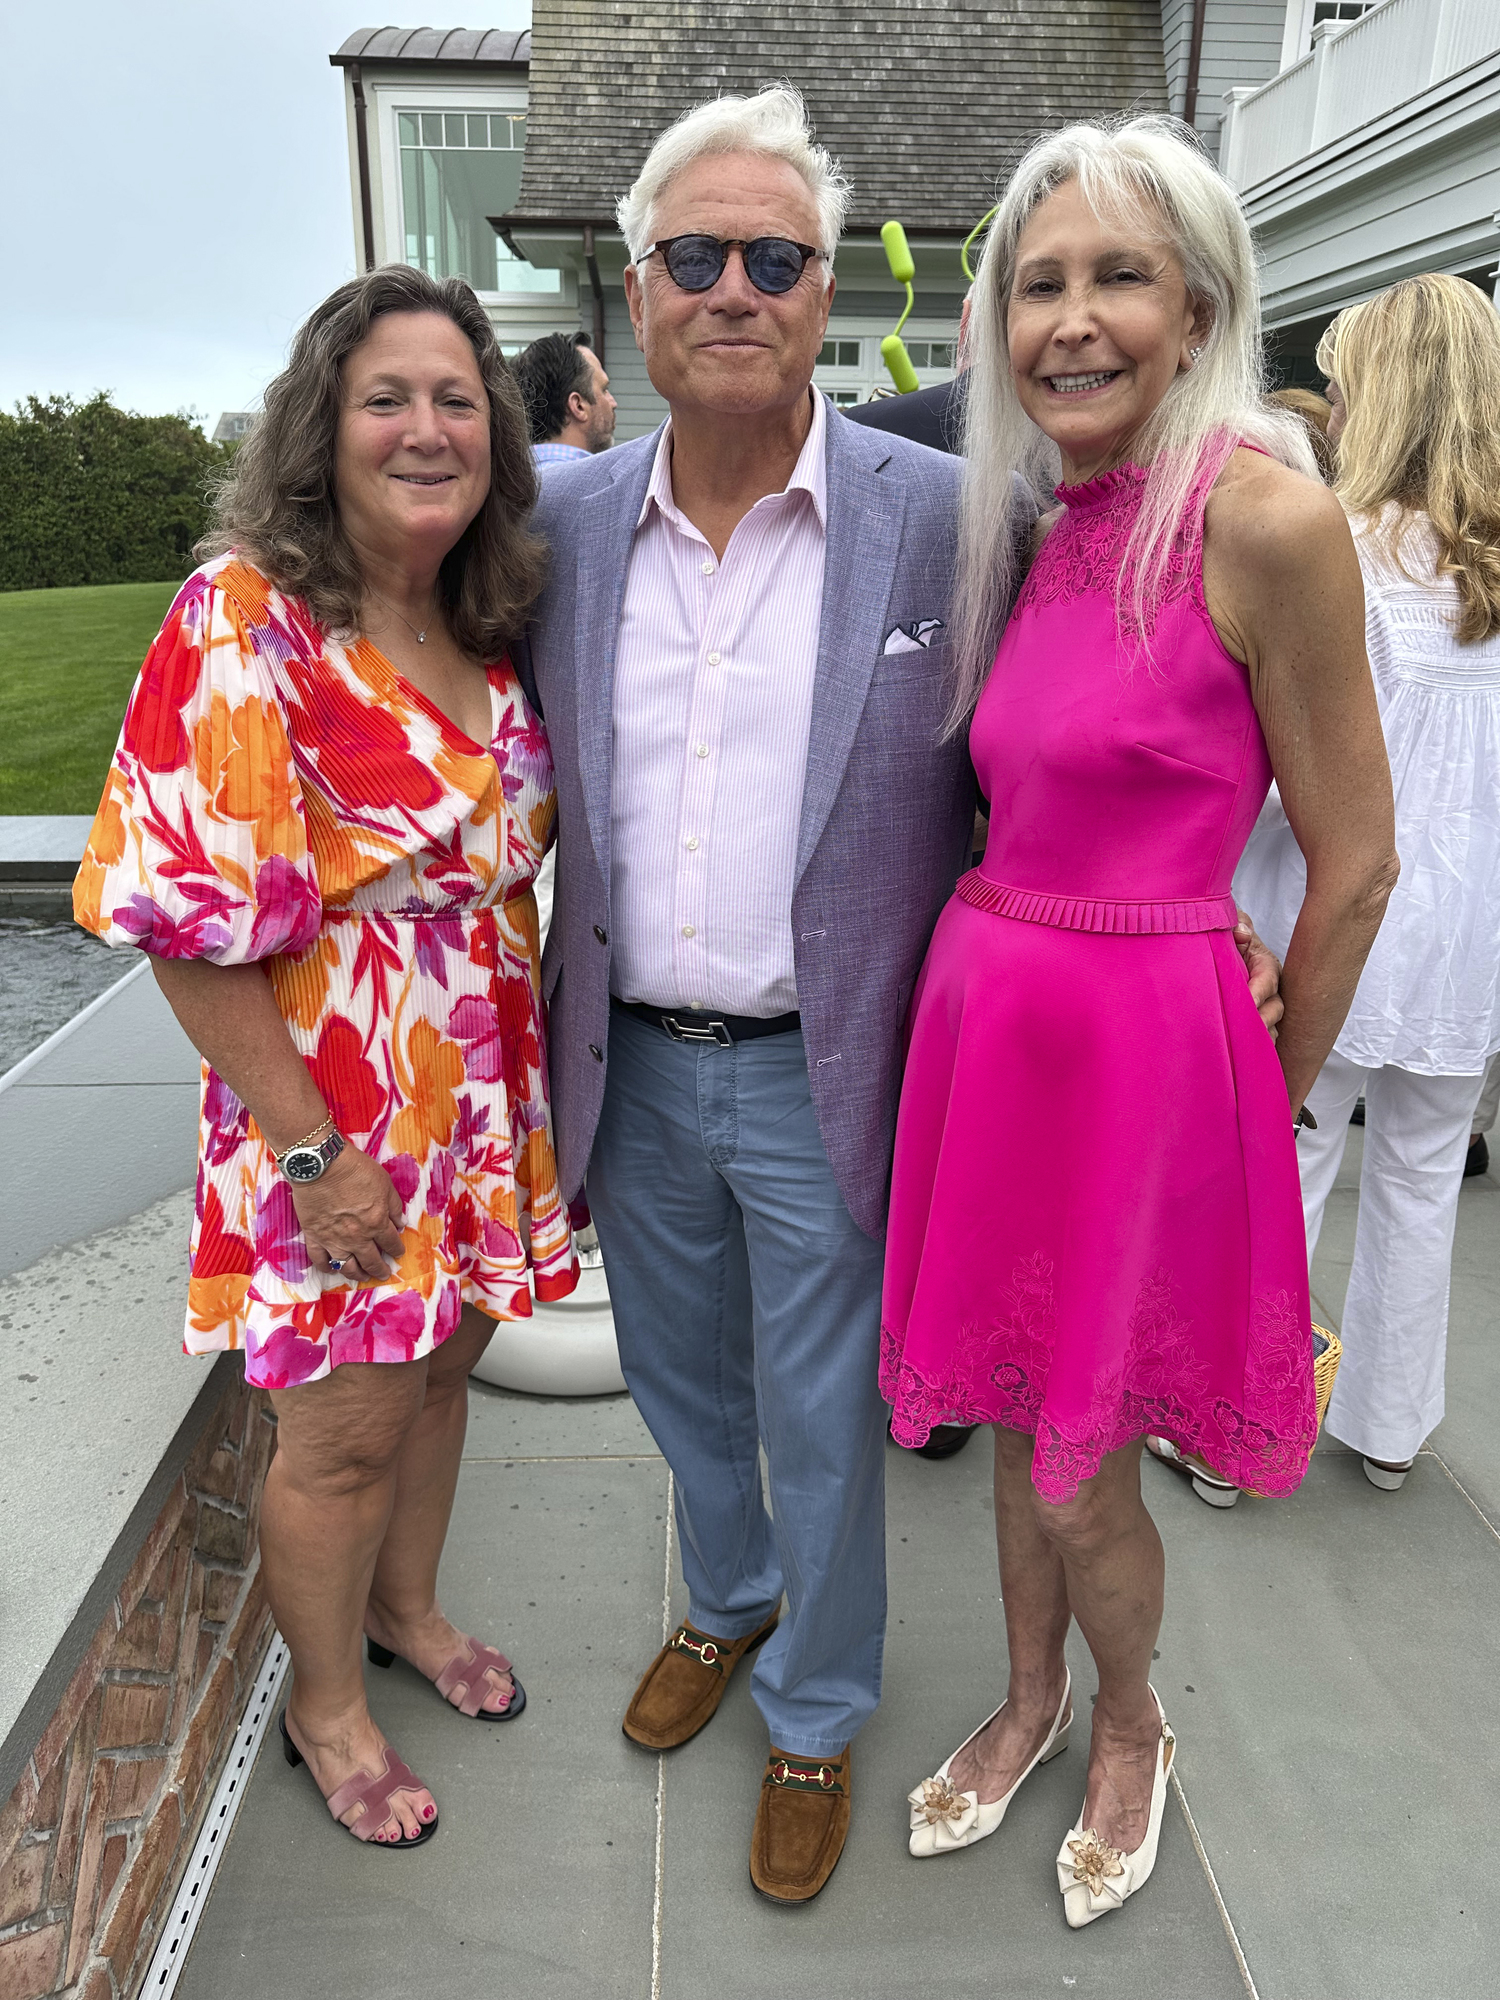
(391, 98)
(872, 372)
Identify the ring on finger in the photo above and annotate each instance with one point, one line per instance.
(336, 1263)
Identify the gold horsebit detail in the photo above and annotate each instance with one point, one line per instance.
(941, 1801)
(686, 1640)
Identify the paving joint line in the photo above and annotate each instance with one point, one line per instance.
(1225, 1919)
(661, 1761)
(1428, 1450)
(569, 1458)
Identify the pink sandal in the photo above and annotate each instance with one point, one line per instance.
(466, 1670)
(374, 1794)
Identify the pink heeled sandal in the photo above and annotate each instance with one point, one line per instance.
(466, 1670)
(374, 1794)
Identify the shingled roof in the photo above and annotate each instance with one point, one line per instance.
(928, 103)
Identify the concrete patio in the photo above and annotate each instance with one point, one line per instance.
(1325, 1660)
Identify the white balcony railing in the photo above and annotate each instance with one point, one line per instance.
(1355, 73)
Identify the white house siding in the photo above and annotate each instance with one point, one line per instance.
(1416, 190)
(1241, 46)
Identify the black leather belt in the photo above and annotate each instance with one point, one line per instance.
(704, 1024)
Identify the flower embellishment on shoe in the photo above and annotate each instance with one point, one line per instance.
(1095, 1862)
(937, 1803)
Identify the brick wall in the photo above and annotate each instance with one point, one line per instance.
(99, 1828)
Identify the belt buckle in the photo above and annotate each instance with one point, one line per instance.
(711, 1031)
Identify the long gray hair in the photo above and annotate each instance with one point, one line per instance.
(1146, 173)
(277, 507)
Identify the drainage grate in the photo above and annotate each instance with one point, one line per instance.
(171, 1951)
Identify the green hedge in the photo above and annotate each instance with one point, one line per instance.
(91, 494)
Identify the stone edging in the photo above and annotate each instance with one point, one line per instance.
(103, 1815)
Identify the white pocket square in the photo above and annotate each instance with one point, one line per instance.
(913, 638)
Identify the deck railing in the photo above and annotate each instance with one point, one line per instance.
(1355, 73)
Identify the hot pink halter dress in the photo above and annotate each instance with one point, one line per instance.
(1096, 1225)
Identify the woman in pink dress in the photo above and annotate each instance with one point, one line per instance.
(1191, 624)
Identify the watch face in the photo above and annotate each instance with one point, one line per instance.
(303, 1163)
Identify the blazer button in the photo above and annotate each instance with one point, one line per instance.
(601, 933)
(596, 1052)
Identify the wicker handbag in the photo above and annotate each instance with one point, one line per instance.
(1328, 1351)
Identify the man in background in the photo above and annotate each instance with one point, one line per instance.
(566, 392)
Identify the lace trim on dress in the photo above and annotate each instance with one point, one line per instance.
(1082, 554)
(1000, 1374)
(1098, 913)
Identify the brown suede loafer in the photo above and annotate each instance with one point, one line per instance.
(684, 1684)
(800, 1826)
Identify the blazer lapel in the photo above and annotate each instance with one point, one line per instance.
(865, 513)
(606, 528)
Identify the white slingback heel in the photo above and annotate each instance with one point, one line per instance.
(943, 1820)
(1095, 1878)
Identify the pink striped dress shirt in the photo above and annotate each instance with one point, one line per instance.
(712, 708)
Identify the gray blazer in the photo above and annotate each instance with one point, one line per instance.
(886, 807)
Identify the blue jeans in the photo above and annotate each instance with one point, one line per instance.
(747, 1308)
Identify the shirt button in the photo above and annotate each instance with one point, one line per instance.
(689, 930)
(714, 658)
(596, 1052)
(691, 841)
(708, 569)
(601, 934)
(696, 1005)
(702, 749)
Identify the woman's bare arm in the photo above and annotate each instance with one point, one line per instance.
(229, 1014)
(1284, 589)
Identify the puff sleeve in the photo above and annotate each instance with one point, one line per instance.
(199, 848)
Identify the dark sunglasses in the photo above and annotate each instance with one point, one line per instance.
(696, 263)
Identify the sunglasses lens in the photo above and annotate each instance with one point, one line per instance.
(773, 264)
(695, 262)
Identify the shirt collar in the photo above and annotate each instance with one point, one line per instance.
(809, 474)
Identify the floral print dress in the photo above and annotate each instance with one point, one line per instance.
(284, 798)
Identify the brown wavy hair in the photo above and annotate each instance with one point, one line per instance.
(1419, 368)
(276, 506)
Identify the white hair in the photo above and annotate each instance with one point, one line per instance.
(773, 122)
(1146, 172)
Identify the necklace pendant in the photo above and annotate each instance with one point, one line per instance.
(421, 638)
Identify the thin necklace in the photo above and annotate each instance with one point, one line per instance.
(421, 637)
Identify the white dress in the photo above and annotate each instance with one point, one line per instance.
(1429, 997)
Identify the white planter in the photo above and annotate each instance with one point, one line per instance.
(565, 1349)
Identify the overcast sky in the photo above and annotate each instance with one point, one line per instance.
(179, 191)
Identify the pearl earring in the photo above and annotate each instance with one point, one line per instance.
(1194, 352)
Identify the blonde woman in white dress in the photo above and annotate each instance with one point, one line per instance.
(1414, 380)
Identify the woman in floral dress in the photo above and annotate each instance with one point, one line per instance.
(323, 819)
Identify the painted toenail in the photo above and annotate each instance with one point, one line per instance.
(428, 1811)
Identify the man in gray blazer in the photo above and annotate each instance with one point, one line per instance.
(742, 661)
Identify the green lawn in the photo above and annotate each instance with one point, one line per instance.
(67, 661)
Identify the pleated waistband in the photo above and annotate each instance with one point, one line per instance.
(1099, 913)
(348, 914)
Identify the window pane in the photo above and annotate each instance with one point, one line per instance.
(942, 354)
(518, 133)
(454, 124)
(432, 128)
(845, 399)
(848, 354)
(917, 350)
(479, 130)
(828, 354)
(446, 196)
(513, 275)
(409, 128)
